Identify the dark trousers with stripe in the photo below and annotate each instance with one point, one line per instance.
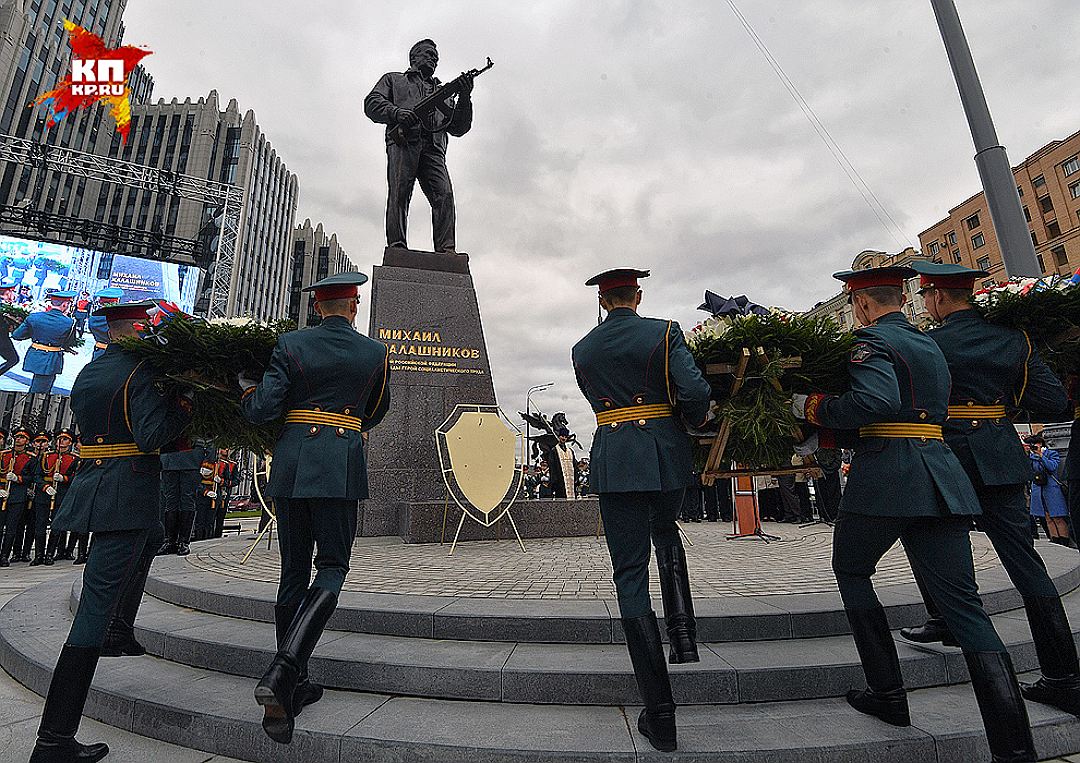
(631, 520)
(939, 549)
(112, 567)
(319, 527)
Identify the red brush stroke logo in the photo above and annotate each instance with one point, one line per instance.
(98, 73)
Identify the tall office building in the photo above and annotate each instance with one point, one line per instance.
(316, 255)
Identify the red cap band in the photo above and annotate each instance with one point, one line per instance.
(339, 291)
(126, 313)
(617, 282)
(961, 281)
(872, 278)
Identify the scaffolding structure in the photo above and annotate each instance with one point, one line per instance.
(227, 201)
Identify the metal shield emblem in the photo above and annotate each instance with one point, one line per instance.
(478, 449)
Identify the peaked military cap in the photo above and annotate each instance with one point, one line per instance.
(65, 432)
(9, 285)
(937, 275)
(128, 311)
(340, 286)
(112, 293)
(21, 430)
(62, 295)
(891, 275)
(617, 278)
(42, 436)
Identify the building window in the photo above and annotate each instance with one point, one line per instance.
(1060, 258)
(1027, 214)
(1020, 191)
(1046, 204)
(934, 247)
(1072, 166)
(973, 221)
(984, 263)
(952, 238)
(1039, 182)
(1053, 229)
(956, 255)
(1034, 238)
(1042, 265)
(1074, 189)
(977, 241)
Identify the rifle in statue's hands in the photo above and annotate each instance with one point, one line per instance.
(438, 103)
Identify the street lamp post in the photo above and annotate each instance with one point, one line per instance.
(528, 412)
(999, 185)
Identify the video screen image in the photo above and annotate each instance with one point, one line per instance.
(31, 270)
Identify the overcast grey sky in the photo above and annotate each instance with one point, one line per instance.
(649, 134)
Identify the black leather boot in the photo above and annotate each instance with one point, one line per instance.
(885, 696)
(657, 719)
(120, 640)
(932, 631)
(183, 538)
(5, 549)
(307, 692)
(277, 689)
(39, 551)
(1002, 708)
(1054, 645)
(678, 604)
(172, 523)
(63, 710)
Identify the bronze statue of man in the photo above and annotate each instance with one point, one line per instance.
(417, 151)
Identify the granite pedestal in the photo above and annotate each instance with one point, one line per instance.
(422, 521)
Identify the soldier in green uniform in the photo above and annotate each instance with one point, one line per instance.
(897, 404)
(330, 383)
(124, 419)
(996, 374)
(640, 378)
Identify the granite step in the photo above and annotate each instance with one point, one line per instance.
(214, 712)
(569, 674)
(720, 620)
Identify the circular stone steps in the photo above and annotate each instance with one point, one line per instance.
(582, 621)
(215, 712)
(571, 674)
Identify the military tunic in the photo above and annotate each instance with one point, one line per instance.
(904, 488)
(339, 380)
(640, 467)
(49, 466)
(50, 331)
(99, 328)
(117, 402)
(25, 467)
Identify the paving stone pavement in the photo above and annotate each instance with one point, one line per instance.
(579, 568)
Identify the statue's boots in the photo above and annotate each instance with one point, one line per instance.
(678, 604)
(657, 719)
(1003, 712)
(885, 696)
(1059, 685)
(307, 692)
(63, 710)
(276, 690)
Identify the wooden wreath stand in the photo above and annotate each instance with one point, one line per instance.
(746, 517)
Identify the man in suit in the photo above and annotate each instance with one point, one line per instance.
(19, 469)
(124, 419)
(896, 406)
(640, 379)
(330, 383)
(997, 374)
(51, 333)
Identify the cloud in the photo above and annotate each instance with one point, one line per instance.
(640, 133)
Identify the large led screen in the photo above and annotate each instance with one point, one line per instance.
(36, 268)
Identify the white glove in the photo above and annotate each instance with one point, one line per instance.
(3, 493)
(807, 446)
(50, 490)
(211, 494)
(246, 382)
(59, 478)
(217, 478)
(206, 471)
(798, 406)
(12, 477)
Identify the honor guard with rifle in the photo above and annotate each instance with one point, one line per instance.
(18, 469)
(54, 477)
(36, 519)
(642, 383)
(124, 418)
(51, 333)
(98, 324)
(329, 383)
(419, 112)
(894, 412)
(997, 376)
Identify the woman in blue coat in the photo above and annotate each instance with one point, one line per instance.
(1047, 497)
